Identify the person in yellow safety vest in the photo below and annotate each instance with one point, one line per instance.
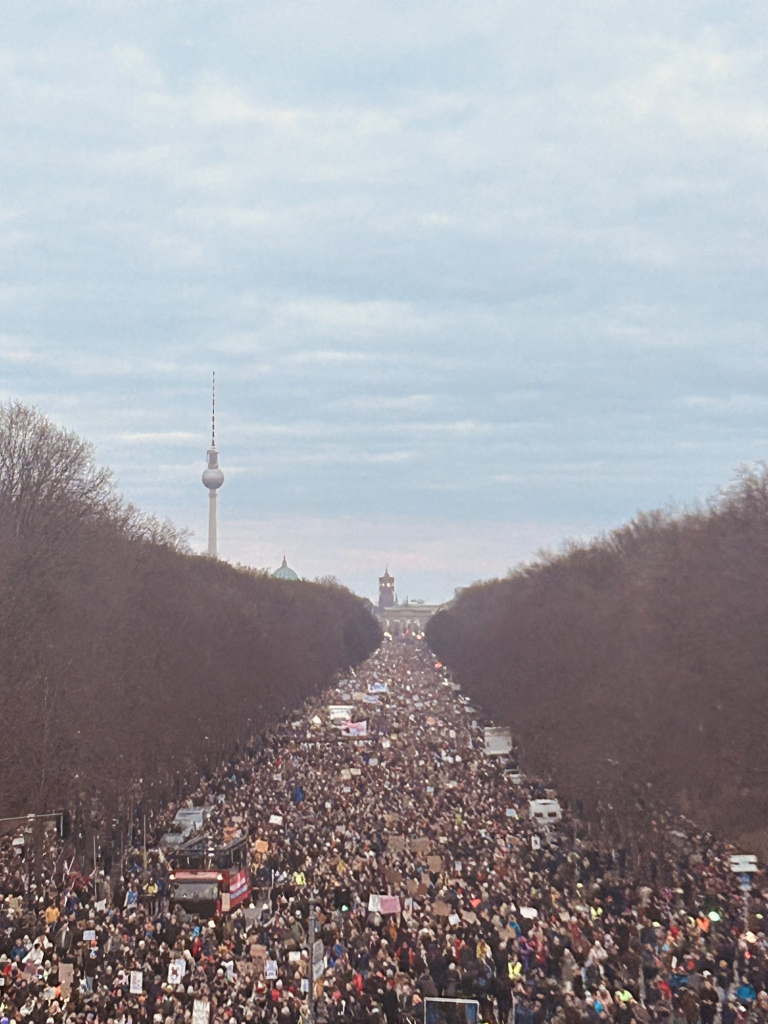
(623, 995)
(514, 969)
(299, 878)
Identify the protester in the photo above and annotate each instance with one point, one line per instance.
(427, 880)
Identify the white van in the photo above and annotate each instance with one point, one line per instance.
(545, 811)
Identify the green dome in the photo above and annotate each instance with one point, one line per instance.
(285, 572)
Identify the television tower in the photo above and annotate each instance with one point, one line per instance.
(213, 478)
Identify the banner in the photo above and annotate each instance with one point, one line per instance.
(340, 712)
(239, 886)
(354, 729)
(383, 904)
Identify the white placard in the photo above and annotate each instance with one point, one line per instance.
(201, 1011)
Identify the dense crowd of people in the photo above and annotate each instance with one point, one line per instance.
(413, 850)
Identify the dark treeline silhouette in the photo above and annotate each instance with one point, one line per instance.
(127, 664)
(633, 669)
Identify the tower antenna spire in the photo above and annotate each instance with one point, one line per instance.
(213, 478)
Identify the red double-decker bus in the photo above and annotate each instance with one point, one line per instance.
(210, 880)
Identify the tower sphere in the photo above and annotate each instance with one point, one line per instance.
(213, 477)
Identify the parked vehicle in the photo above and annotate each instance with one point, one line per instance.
(210, 880)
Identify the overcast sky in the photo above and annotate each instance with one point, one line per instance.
(474, 277)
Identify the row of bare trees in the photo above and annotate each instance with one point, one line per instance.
(634, 669)
(127, 664)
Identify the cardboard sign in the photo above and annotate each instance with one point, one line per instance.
(420, 845)
(261, 846)
(66, 974)
(435, 864)
(441, 909)
(396, 843)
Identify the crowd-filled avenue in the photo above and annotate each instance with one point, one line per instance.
(377, 812)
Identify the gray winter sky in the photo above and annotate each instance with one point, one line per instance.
(474, 276)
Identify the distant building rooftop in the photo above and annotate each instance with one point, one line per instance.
(285, 572)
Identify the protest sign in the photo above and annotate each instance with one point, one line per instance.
(383, 903)
(137, 983)
(174, 975)
(201, 1011)
(66, 974)
(354, 729)
(420, 845)
(275, 819)
(338, 713)
(435, 864)
(176, 972)
(396, 843)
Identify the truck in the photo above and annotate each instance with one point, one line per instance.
(209, 879)
(545, 811)
(496, 741)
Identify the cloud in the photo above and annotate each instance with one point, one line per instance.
(476, 263)
(153, 437)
